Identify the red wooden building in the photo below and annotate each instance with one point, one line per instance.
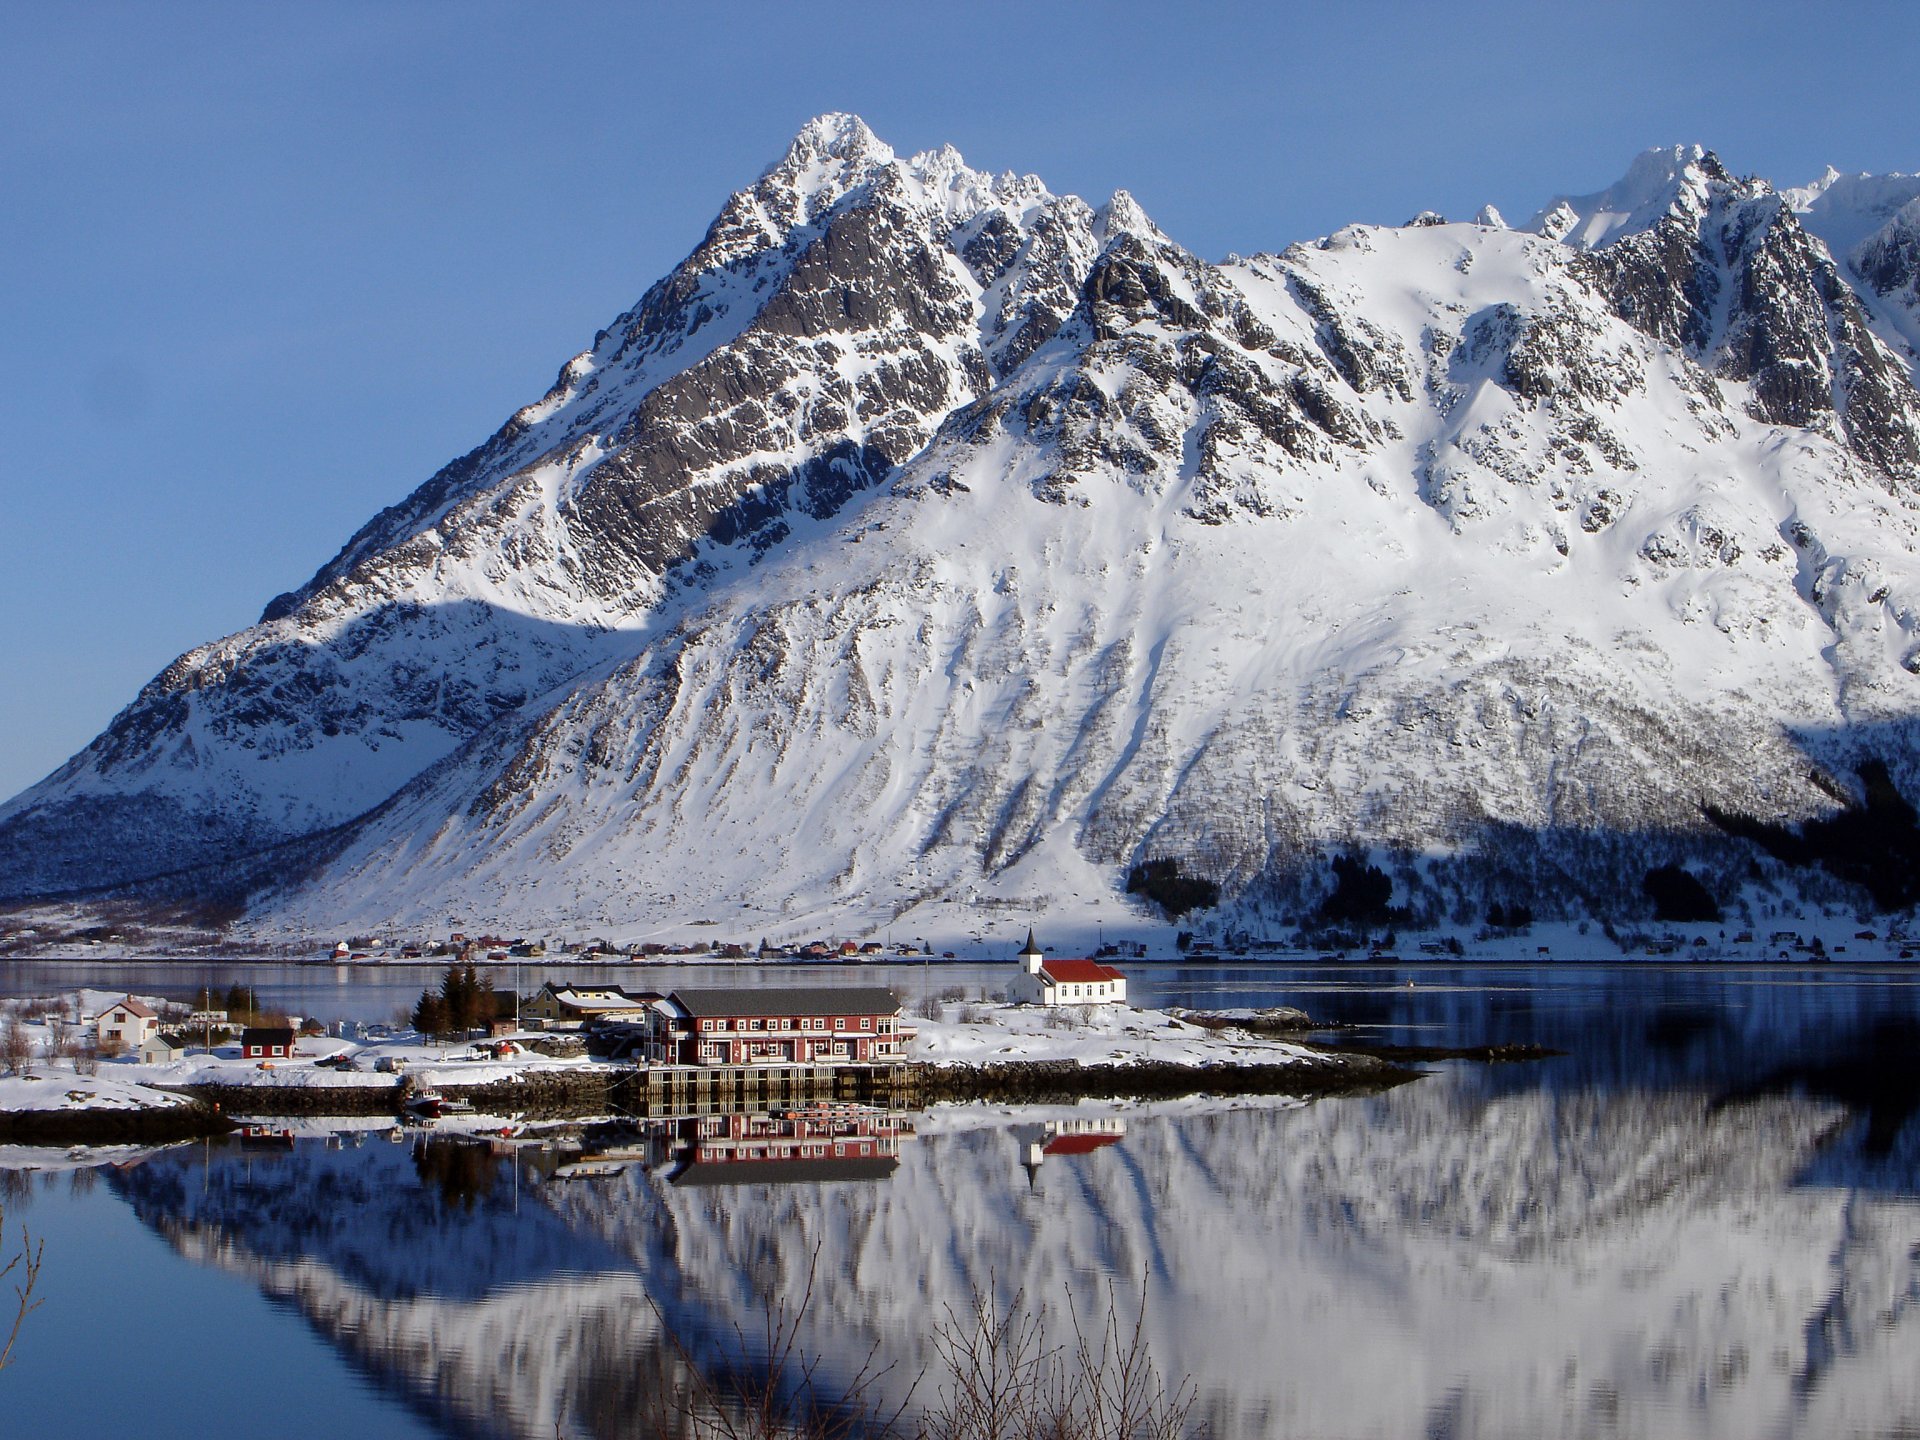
(266, 1042)
(832, 1025)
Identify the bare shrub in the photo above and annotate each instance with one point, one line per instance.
(973, 1015)
(954, 993)
(999, 1378)
(70, 1042)
(16, 1045)
(787, 1396)
(1003, 1381)
(930, 1007)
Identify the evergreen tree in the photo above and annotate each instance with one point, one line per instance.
(464, 1002)
(430, 1014)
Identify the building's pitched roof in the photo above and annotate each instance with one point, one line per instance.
(132, 1007)
(773, 1000)
(1077, 1144)
(267, 1035)
(785, 1172)
(595, 997)
(1079, 972)
(162, 1038)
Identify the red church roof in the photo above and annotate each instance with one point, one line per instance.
(1079, 972)
(1077, 1144)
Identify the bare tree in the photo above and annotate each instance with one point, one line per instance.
(24, 1270)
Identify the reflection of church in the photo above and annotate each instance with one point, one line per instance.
(1055, 1138)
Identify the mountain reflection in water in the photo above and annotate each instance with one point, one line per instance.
(1676, 1230)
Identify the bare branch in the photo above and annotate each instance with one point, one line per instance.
(27, 1262)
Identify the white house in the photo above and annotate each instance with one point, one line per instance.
(1040, 981)
(563, 1003)
(158, 1049)
(125, 1024)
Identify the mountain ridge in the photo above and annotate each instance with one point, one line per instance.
(951, 534)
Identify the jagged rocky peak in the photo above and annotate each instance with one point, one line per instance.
(1659, 183)
(1722, 270)
(1846, 211)
(834, 314)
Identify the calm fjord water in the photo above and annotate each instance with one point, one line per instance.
(1702, 1220)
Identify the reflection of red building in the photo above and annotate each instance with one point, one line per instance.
(795, 1146)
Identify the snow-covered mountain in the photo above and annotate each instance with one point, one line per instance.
(927, 541)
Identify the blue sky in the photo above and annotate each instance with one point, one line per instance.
(264, 268)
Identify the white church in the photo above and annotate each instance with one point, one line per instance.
(1040, 981)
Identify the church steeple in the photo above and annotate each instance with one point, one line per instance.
(1032, 957)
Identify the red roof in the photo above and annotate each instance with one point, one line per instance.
(131, 1006)
(1077, 1144)
(1079, 972)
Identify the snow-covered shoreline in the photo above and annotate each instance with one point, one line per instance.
(1001, 1047)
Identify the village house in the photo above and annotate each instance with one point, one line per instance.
(159, 1049)
(267, 1042)
(1040, 981)
(125, 1025)
(560, 1002)
(838, 1025)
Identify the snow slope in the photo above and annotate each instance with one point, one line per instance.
(926, 541)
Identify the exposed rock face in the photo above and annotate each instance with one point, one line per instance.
(1729, 276)
(926, 538)
(836, 312)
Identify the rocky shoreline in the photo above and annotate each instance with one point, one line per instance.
(1022, 1081)
(155, 1125)
(217, 1109)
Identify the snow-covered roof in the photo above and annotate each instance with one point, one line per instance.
(1079, 972)
(598, 997)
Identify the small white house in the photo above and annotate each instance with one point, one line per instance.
(1040, 981)
(126, 1024)
(158, 1049)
